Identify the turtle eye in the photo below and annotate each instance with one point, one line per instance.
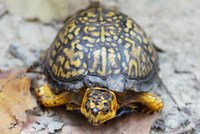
(86, 106)
(106, 110)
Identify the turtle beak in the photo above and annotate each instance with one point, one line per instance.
(94, 121)
(94, 117)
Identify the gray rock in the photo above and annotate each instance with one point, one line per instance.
(3, 9)
(19, 51)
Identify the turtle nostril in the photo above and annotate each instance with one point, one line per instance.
(95, 111)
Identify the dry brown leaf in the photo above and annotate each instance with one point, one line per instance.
(74, 123)
(137, 123)
(15, 99)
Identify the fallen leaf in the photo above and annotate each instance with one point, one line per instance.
(15, 100)
(137, 123)
(76, 123)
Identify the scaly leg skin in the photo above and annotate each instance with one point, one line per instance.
(148, 102)
(49, 99)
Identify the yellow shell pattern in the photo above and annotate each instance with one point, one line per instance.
(101, 42)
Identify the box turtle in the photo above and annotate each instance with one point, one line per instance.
(102, 64)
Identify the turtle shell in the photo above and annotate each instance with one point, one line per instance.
(101, 47)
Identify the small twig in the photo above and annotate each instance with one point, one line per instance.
(168, 92)
(182, 72)
(159, 49)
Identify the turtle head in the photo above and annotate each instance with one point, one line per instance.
(99, 105)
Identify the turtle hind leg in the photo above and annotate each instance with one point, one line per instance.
(49, 99)
(148, 102)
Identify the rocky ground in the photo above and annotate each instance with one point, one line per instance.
(172, 25)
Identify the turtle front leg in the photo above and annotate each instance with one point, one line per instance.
(147, 102)
(150, 103)
(49, 99)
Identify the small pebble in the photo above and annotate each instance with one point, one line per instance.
(54, 125)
